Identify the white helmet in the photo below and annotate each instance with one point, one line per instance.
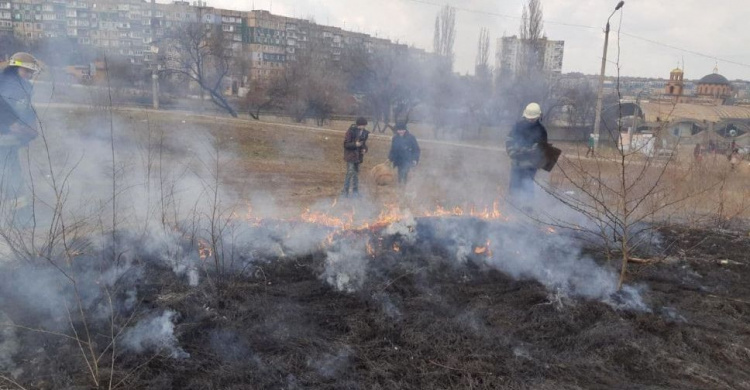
(24, 60)
(532, 111)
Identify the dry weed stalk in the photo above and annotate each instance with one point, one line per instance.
(54, 242)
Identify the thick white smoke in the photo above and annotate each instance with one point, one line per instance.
(154, 334)
(346, 266)
(520, 249)
(556, 261)
(9, 344)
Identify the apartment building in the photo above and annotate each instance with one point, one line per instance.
(267, 45)
(510, 52)
(6, 17)
(137, 29)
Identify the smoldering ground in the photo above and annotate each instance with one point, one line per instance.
(421, 316)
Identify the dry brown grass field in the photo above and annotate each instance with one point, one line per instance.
(697, 192)
(300, 166)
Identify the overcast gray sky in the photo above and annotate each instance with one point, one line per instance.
(657, 34)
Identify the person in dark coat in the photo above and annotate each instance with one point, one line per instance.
(525, 147)
(404, 152)
(17, 129)
(355, 147)
(698, 153)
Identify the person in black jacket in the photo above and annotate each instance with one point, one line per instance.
(404, 152)
(525, 147)
(17, 130)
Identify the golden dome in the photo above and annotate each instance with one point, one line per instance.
(676, 70)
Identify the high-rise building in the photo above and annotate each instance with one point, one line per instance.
(510, 53)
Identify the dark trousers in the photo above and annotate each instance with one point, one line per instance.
(403, 173)
(352, 177)
(590, 151)
(521, 183)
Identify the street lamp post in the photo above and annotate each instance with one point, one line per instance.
(154, 66)
(600, 92)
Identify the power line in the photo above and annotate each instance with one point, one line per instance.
(552, 22)
(497, 14)
(686, 50)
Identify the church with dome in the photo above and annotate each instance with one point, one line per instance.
(702, 114)
(712, 89)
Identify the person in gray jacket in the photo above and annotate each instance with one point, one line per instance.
(18, 127)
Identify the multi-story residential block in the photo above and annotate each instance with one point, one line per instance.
(267, 44)
(261, 42)
(511, 51)
(6, 18)
(553, 56)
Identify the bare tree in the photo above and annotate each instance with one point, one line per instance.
(528, 83)
(621, 190)
(531, 34)
(200, 53)
(388, 79)
(263, 96)
(532, 24)
(573, 105)
(445, 34)
(312, 84)
(482, 67)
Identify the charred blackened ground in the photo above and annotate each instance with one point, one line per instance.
(429, 308)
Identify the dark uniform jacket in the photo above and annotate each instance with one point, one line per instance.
(404, 150)
(525, 144)
(15, 107)
(352, 153)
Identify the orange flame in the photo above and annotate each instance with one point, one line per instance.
(370, 249)
(342, 221)
(345, 222)
(484, 250)
(204, 250)
(252, 218)
(485, 213)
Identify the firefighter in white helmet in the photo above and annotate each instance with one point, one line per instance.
(18, 124)
(525, 147)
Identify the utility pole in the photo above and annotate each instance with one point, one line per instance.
(155, 65)
(600, 93)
